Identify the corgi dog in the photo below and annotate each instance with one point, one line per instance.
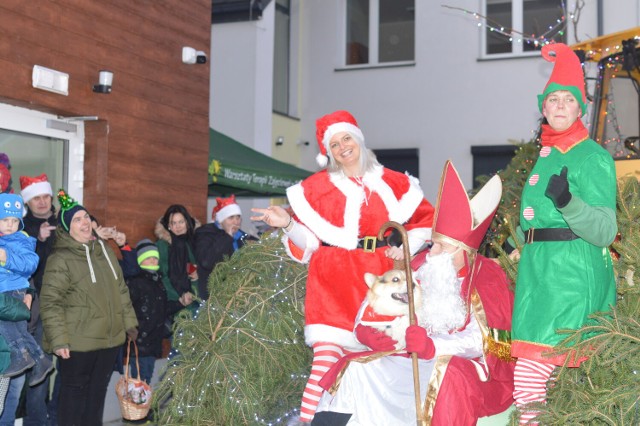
(386, 306)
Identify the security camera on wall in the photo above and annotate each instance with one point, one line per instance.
(193, 56)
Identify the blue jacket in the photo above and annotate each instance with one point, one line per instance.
(22, 261)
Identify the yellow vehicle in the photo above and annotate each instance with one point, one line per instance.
(614, 89)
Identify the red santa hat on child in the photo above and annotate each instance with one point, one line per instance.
(460, 221)
(329, 125)
(33, 186)
(567, 73)
(224, 208)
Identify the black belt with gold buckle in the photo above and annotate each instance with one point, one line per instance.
(549, 234)
(368, 244)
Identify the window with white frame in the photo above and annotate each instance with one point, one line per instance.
(379, 31)
(514, 27)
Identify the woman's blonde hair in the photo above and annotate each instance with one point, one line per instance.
(368, 159)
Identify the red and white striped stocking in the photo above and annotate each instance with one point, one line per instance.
(324, 356)
(530, 385)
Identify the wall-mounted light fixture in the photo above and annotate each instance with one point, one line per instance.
(280, 140)
(104, 83)
(50, 80)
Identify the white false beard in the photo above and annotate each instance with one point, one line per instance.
(443, 309)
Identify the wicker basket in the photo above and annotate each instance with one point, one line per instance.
(130, 409)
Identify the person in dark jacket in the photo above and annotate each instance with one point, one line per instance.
(40, 223)
(218, 240)
(86, 312)
(149, 299)
(178, 266)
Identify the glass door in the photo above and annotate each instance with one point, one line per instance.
(37, 143)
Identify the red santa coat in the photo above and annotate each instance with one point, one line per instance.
(338, 212)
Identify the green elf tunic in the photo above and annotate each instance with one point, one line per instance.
(560, 283)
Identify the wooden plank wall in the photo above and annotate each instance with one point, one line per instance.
(150, 147)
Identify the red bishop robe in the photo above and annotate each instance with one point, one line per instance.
(462, 390)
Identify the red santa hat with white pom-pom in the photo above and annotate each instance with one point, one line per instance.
(34, 186)
(329, 125)
(225, 208)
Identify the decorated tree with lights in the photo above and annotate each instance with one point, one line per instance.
(502, 234)
(242, 359)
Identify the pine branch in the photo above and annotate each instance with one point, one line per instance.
(242, 360)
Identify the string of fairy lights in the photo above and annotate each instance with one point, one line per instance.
(613, 143)
(556, 29)
(278, 289)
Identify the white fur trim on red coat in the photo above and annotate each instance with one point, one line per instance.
(314, 333)
(346, 236)
(307, 242)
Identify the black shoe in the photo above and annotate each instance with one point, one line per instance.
(20, 362)
(43, 367)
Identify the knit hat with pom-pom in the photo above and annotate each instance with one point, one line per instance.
(68, 208)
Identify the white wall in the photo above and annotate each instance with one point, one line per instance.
(241, 80)
(241, 90)
(449, 100)
(446, 103)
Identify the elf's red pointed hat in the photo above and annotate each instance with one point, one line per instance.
(460, 221)
(567, 73)
(329, 125)
(224, 208)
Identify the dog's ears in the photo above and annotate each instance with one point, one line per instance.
(370, 278)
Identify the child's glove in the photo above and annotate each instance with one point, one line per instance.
(418, 342)
(558, 189)
(375, 339)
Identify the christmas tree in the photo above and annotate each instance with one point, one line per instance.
(242, 359)
(502, 232)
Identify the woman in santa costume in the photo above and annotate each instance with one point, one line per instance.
(464, 321)
(337, 215)
(568, 215)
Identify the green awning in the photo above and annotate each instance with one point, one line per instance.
(235, 168)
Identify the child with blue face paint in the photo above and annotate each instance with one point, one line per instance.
(18, 261)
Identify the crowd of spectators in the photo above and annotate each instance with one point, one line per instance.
(79, 301)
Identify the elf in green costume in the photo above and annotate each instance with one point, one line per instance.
(568, 216)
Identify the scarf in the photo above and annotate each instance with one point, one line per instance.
(178, 259)
(566, 139)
